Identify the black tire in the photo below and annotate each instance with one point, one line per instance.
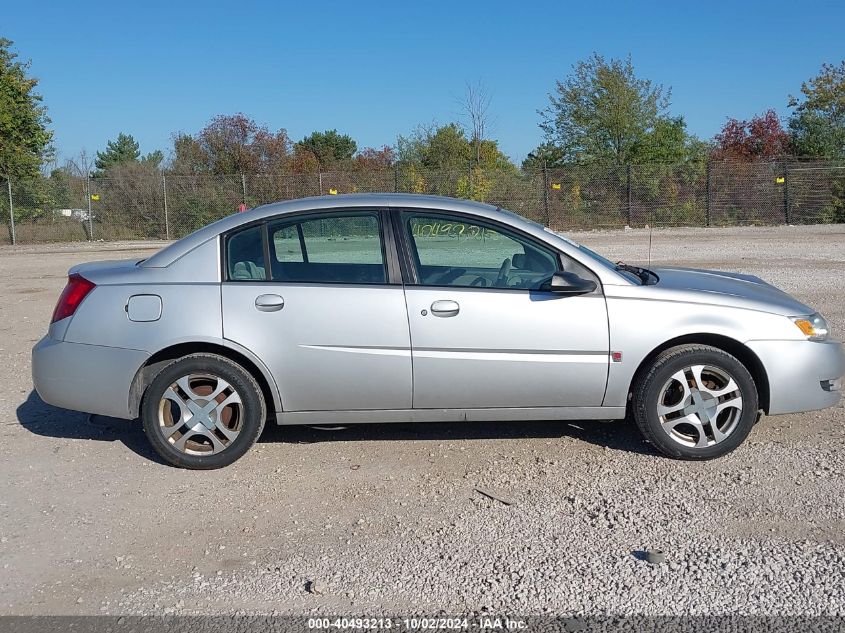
(246, 417)
(649, 386)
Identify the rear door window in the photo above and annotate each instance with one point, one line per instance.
(245, 255)
(334, 248)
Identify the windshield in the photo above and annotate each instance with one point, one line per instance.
(627, 274)
(591, 253)
(604, 261)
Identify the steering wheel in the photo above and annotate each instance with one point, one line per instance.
(449, 276)
(504, 269)
(479, 281)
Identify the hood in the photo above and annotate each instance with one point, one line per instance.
(744, 291)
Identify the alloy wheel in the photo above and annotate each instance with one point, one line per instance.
(200, 414)
(699, 406)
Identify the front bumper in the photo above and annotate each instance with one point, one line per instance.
(803, 375)
(90, 378)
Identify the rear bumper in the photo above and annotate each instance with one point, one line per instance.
(803, 375)
(90, 378)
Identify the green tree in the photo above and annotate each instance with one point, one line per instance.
(153, 159)
(447, 147)
(817, 124)
(329, 147)
(443, 161)
(546, 154)
(434, 146)
(668, 142)
(124, 150)
(604, 112)
(25, 141)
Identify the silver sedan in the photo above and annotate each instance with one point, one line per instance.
(403, 308)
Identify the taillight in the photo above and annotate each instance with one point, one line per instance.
(76, 290)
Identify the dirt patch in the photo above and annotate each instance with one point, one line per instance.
(388, 518)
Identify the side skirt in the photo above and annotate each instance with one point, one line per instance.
(449, 415)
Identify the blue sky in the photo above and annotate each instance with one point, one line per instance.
(375, 70)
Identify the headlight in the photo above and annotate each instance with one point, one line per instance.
(814, 326)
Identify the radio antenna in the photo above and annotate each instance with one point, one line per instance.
(649, 245)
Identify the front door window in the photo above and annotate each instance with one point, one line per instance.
(455, 251)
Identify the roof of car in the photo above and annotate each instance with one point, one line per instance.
(379, 200)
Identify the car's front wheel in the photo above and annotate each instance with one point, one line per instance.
(695, 402)
(203, 411)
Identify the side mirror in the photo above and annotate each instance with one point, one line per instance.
(570, 284)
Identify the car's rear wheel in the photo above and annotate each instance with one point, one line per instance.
(695, 402)
(203, 411)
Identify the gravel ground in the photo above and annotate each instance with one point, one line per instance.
(389, 519)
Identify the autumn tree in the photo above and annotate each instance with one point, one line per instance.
(25, 141)
(372, 158)
(232, 144)
(603, 112)
(762, 137)
(817, 124)
(303, 161)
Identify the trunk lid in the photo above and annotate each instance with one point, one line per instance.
(101, 272)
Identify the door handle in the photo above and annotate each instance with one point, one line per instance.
(269, 303)
(445, 308)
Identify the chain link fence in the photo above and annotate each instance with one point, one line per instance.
(140, 203)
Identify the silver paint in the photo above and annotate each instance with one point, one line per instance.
(354, 353)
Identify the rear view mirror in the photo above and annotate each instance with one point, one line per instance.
(565, 283)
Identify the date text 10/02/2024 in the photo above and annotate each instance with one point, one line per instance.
(492, 623)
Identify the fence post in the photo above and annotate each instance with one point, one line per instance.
(628, 172)
(90, 216)
(320, 178)
(708, 194)
(166, 216)
(395, 180)
(546, 195)
(11, 213)
(787, 211)
(243, 186)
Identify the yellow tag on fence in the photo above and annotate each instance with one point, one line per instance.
(780, 180)
(95, 197)
(332, 192)
(556, 186)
